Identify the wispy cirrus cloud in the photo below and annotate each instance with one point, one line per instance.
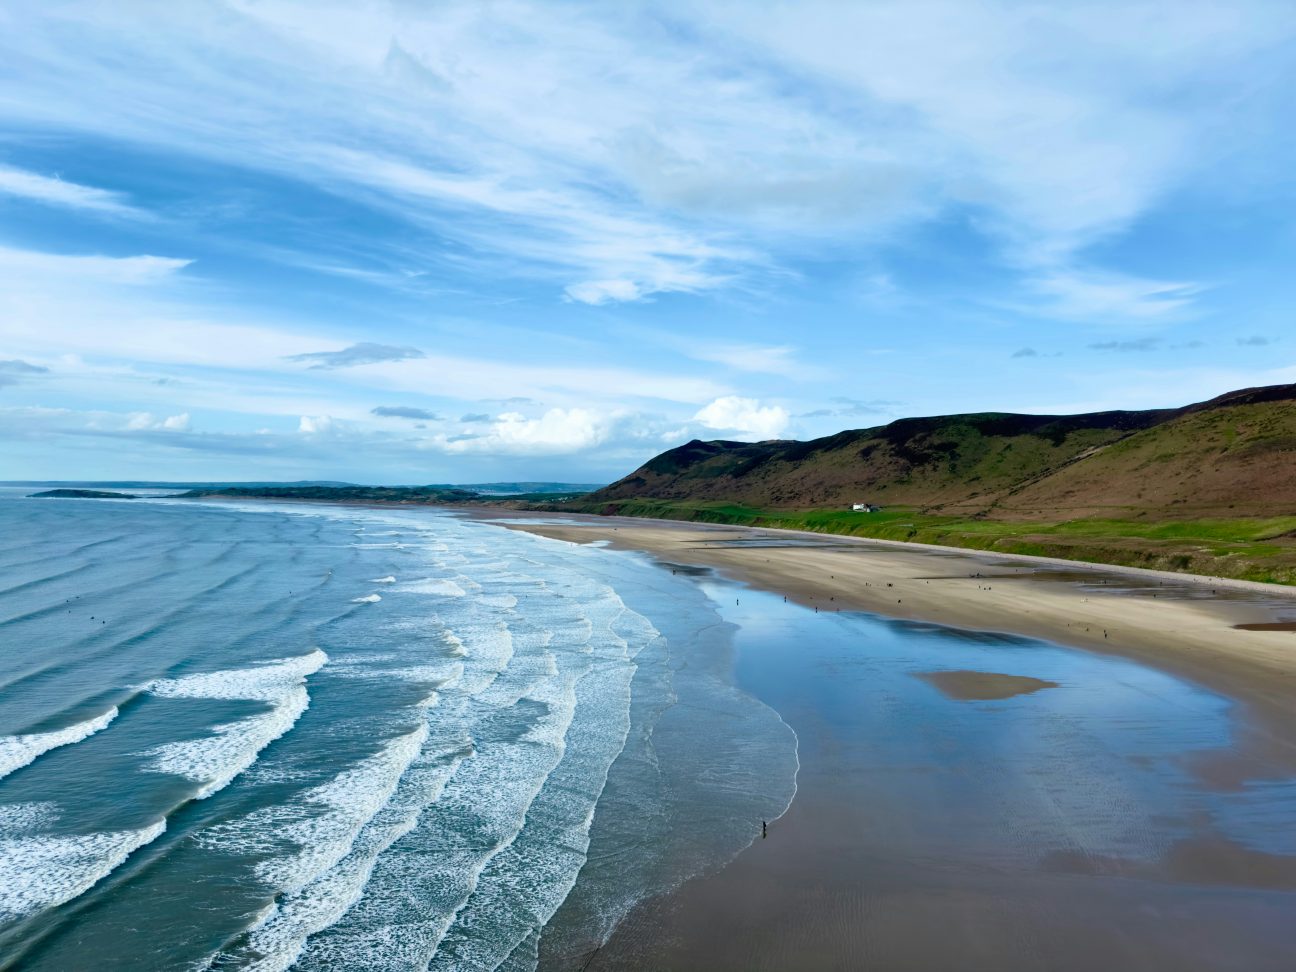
(770, 193)
(53, 191)
(701, 154)
(1094, 297)
(366, 352)
(853, 408)
(33, 269)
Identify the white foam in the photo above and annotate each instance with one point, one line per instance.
(389, 579)
(434, 585)
(18, 751)
(215, 760)
(266, 682)
(340, 828)
(339, 809)
(19, 817)
(38, 872)
(497, 600)
(367, 599)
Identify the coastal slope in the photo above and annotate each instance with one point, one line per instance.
(1208, 488)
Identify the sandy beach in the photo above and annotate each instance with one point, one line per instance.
(872, 859)
(1231, 636)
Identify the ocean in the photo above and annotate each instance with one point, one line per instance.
(269, 736)
(256, 736)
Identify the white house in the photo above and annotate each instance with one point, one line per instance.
(864, 508)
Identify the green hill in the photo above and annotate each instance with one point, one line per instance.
(1209, 488)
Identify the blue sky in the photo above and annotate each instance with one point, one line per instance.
(417, 242)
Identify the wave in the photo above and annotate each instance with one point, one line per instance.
(19, 751)
(32, 816)
(42, 871)
(461, 871)
(367, 599)
(389, 579)
(520, 887)
(215, 760)
(337, 834)
(434, 585)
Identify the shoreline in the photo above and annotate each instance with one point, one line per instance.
(1185, 625)
(856, 868)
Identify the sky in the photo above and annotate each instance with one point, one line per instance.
(416, 242)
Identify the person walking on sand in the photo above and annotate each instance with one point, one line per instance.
(764, 830)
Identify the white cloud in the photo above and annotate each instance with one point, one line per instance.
(316, 425)
(31, 268)
(112, 422)
(744, 417)
(57, 192)
(679, 160)
(755, 358)
(604, 291)
(557, 432)
(1109, 297)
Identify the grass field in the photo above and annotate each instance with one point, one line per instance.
(1249, 549)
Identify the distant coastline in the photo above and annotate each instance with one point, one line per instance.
(81, 494)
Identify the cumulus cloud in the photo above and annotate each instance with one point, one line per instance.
(15, 370)
(403, 411)
(316, 425)
(147, 422)
(557, 432)
(744, 417)
(604, 291)
(366, 352)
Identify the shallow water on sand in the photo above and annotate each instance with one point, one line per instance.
(260, 736)
(1062, 828)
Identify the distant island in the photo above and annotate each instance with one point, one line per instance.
(397, 495)
(80, 494)
(509, 493)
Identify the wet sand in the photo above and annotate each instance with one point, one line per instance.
(1059, 829)
(1217, 632)
(984, 686)
(902, 865)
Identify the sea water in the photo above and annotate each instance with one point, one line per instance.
(266, 736)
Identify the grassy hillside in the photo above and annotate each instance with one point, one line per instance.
(1210, 488)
